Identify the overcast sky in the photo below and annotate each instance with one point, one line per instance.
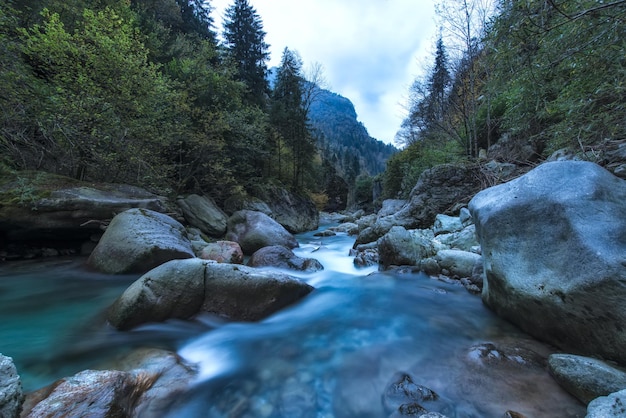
(370, 50)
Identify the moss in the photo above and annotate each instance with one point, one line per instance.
(25, 188)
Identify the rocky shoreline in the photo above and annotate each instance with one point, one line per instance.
(543, 249)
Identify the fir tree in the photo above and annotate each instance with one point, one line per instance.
(245, 41)
(289, 115)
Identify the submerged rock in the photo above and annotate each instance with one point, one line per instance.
(554, 244)
(183, 288)
(138, 240)
(404, 397)
(147, 381)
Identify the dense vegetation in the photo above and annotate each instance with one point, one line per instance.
(522, 80)
(142, 92)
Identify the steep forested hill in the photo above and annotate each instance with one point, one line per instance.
(343, 140)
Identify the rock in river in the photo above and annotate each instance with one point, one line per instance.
(138, 240)
(183, 288)
(554, 252)
(254, 230)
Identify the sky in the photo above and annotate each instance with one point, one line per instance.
(370, 51)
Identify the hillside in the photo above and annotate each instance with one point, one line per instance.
(343, 140)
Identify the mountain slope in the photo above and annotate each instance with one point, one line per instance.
(343, 140)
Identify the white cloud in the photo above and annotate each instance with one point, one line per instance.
(370, 49)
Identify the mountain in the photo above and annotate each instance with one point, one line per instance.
(343, 140)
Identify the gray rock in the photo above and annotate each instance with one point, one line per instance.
(465, 216)
(349, 228)
(465, 239)
(554, 247)
(613, 406)
(391, 206)
(183, 288)
(11, 395)
(281, 257)
(400, 247)
(584, 377)
(446, 224)
(202, 213)
(255, 230)
(236, 203)
(90, 393)
(459, 263)
(138, 240)
(146, 383)
(295, 212)
(222, 252)
(72, 211)
(439, 190)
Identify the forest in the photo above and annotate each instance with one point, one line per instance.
(144, 92)
(516, 81)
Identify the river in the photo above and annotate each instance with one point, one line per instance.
(331, 355)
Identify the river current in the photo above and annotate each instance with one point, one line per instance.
(331, 355)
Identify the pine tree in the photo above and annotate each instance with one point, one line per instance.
(245, 41)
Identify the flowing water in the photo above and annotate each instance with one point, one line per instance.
(331, 355)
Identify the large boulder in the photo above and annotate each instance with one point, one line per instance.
(11, 396)
(41, 207)
(202, 212)
(138, 240)
(554, 245)
(295, 212)
(183, 288)
(254, 230)
(281, 257)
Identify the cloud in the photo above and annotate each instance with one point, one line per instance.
(370, 49)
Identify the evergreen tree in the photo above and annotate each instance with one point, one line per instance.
(245, 41)
(428, 107)
(196, 16)
(438, 86)
(289, 116)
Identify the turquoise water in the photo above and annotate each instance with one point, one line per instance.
(331, 355)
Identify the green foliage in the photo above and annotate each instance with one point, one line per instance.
(107, 110)
(405, 167)
(560, 72)
(245, 43)
(288, 117)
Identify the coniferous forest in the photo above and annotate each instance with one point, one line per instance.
(143, 92)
